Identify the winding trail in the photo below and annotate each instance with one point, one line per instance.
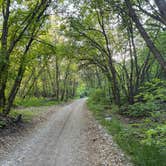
(60, 141)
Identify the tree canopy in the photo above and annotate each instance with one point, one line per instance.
(51, 48)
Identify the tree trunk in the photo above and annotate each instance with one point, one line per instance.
(145, 36)
(26, 83)
(4, 52)
(33, 82)
(18, 79)
(161, 4)
(65, 81)
(57, 78)
(14, 91)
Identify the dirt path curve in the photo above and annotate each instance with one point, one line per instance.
(60, 141)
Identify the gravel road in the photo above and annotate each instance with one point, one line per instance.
(68, 138)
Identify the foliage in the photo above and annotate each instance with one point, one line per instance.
(154, 90)
(145, 145)
(99, 49)
(156, 136)
(151, 98)
(142, 109)
(99, 96)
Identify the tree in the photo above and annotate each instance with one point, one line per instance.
(23, 28)
(145, 36)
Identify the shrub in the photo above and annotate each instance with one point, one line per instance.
(99, 97)
(142, 109)
(155, 90)
(151, 98)
(155, 136)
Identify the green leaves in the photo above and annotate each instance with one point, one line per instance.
(98, 96)
(142, 109)
(156, 136)
(154, 90)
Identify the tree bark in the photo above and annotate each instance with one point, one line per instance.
(4, 52)
(161, 4)
(65, 81)
(18, 80)
(115, 87)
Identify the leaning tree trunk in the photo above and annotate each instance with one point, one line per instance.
(4, 52)
(18, 79)
(14, 90)
(145, 36)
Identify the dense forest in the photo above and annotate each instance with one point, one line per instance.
(113, 51)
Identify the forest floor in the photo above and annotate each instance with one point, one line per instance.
(64, 135)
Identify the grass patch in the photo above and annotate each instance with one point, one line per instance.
(27, 115)
(129, 138)
(35, 102)
(26, 112)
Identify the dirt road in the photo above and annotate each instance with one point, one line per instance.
(63, 140)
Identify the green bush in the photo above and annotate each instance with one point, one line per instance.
(99, 103)
(158, 116)
(142, 109)
(98, 96)
(131, 141)
(151, 98)
(155, 90)
(139, 109)
(156, 136)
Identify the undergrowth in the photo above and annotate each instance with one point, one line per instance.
(144, 141)
(29, 113)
